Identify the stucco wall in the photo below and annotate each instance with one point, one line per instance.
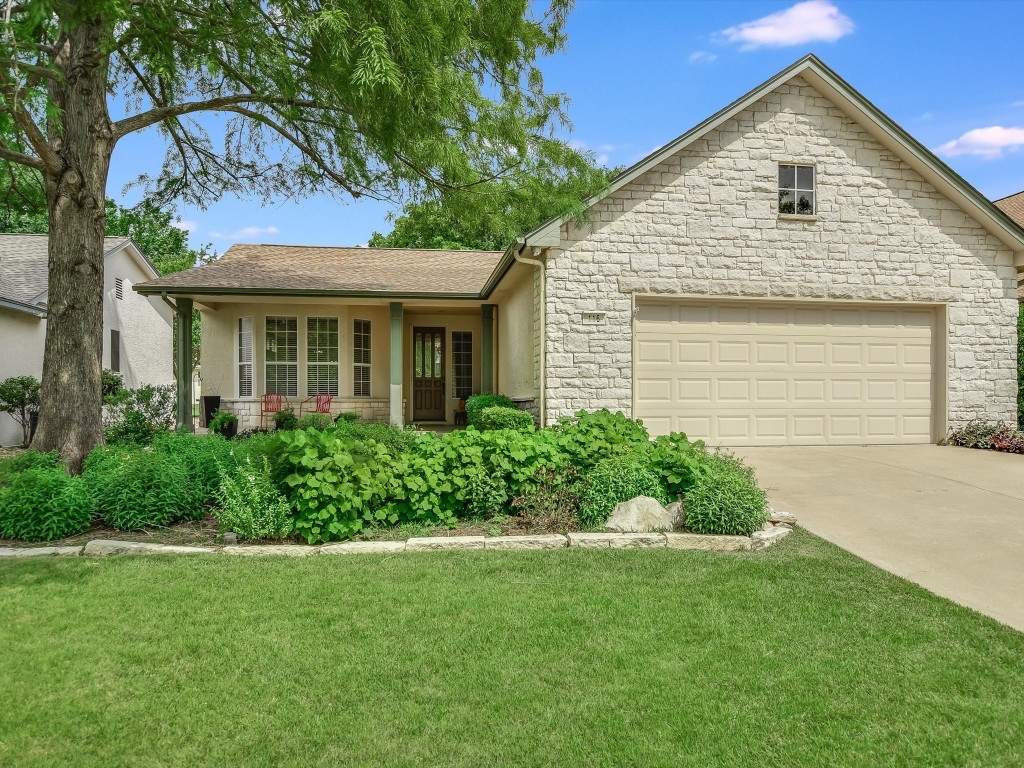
(706, 222)
(516, 333)
(22, 338)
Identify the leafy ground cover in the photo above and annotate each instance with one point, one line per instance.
(801, 655)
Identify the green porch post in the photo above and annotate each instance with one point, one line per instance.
(183, 364)
(397, 415)
(487, 348)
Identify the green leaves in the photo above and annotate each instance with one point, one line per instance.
(43, 503)
(725, 498)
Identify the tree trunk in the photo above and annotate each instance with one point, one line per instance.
(71, 401)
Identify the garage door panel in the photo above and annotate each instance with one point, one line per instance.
(739, 373)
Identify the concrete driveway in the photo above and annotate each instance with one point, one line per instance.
(950, 519)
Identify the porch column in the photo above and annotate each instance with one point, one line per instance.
(397, 415)
(183, 364)
(486, 348)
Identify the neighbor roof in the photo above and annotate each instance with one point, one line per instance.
(1012, 206)
(24, 269)
(331, 271)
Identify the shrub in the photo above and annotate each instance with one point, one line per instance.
(475, 405)
(202, 457)
(19, 396)
(486, 495)
(1009, 440)
(551, 502)
(286, 419)
(976, 434)
(136, 489)
(676, 461)
(613, 480)
(44, 504)
(725, 499)
(111, 383)
(135, 416)
(250, 504)
(397, 439)
(346, 416)
(499, 417)
(20, 462)
(221, 422)
(316, 421)
(588, 438)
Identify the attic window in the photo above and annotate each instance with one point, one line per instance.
(796, 190)
(119, 288)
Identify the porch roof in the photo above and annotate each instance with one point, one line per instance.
(316, 270)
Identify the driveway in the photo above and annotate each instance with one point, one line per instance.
(950, 519)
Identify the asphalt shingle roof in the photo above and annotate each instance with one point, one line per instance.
(315, 268)
(23, 265)
(1012, 206)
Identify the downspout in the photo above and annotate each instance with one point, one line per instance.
(536, 262)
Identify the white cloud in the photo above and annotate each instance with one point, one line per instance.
(806, 22)
(246, 233)
(185, 225)
(988, 142)
(702, 56)
(1019, 103)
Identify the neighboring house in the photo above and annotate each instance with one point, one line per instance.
(137, 334)
(794, 270)
(1013, 206)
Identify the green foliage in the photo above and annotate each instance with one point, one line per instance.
(346, 416)
(136, 416)
(19, 396)
(316, 421)
(613, 480)
(136, 489)
(551, 502)
(553, 181)
(500, 417)
(1020, 365)
(676, 461)
(475, 405)
(725, 499)
(590, 437)
(976, 434)
(202, 457)
(397, 439)
(286, 419)
(486, 495)
(12, 465)
(44, 504)
(112, 384)
(249, 504)
(221, 421)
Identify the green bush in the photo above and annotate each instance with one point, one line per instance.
(286, 419)
(499, 417)
(136, 416)
(44, 504)
(676, 461)
(202, 457)
(976, 434)
(316, 421)
(590, 437)
(223, 422)
(397, 439)
(1020, 366)
(551, 502)
(725, 499)
(111, 384)
(19, 396)
(250, 504)
(475, 405)
(613, 480)
(137, 489)
(346, 416)
(12, 465)
(486, 495)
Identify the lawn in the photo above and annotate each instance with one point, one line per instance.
(801, 655)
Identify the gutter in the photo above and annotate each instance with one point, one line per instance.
(20, 306)
(540, 265)
(151, 290)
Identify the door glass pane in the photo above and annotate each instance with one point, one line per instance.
(418, 355)
(437, 356)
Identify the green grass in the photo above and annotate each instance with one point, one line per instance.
(802, 655)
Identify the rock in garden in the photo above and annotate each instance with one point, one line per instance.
(640, 515)
(678, 513)
(782, 518)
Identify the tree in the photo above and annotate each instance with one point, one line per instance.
(376, 98)
(19, 396)
(553, 181)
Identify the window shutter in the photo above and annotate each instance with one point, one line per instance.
(245, 357)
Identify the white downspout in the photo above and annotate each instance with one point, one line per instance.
(536, 262)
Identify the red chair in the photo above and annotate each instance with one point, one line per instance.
(321, 404)
(272, 403)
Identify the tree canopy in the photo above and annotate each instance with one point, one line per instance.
(552, 181)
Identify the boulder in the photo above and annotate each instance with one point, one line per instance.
(640, 515)
(782, 518)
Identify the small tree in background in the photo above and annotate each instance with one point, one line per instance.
(19, 396)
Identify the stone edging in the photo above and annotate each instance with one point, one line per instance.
(100, 547)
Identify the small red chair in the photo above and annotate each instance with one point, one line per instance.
(272, 403)
(321, 404)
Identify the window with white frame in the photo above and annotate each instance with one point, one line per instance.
(796, 189)
(322, 356)
(282, 349)
(245, 357)
(361, 358)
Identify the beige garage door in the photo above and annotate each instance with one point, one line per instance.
(750, 373)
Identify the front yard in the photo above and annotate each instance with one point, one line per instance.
(802, 655)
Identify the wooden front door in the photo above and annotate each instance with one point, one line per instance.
(428, 361)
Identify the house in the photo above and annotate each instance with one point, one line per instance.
(796, 269)
(137, 339)
(1013, 206)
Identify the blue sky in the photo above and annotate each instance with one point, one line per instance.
(640, 73)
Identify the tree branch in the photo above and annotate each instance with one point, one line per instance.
(22, 159)
(218, 104)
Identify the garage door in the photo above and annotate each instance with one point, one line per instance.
(748, 373)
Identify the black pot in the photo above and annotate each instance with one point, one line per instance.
(230, 430)
(210, 405)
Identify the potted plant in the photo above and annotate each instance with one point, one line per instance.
(224, 423)
(286, 419)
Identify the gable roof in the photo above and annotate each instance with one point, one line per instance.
(1012, 206)
(868, 116)
(332, 271)
(24, 269)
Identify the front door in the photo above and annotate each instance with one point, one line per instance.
(428, 374)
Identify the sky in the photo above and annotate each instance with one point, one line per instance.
(638, 73)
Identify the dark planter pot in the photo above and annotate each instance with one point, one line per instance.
(230, 430)
(210, 404)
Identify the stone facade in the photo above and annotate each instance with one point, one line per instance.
(248, 411)
(705, 222)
